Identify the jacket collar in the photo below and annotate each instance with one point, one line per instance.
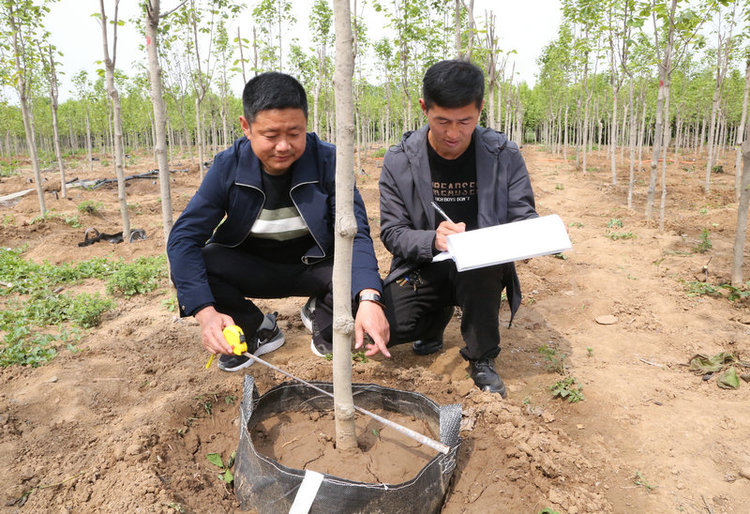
(488, 144)
(249, 169)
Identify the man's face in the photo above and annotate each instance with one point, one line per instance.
(278, 137)
(451, 128)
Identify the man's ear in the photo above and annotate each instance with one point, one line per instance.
(245, 126)
(423, 105)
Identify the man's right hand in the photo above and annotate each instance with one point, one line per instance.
(445, 229)
(212, 323)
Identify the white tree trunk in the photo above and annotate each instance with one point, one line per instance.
(744, 193)
(741, 133)
(345, 229)
(109, 69)
(157, 99)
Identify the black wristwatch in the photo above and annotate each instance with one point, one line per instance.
(371, 297)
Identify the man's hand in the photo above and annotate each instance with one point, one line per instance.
(371, 320)
(212, 323)
(445, 229)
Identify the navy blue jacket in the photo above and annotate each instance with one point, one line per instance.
(232, 190)
(407, 219)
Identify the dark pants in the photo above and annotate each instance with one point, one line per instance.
(416, 303)
(234, 275)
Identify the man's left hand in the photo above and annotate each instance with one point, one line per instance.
(371, 320)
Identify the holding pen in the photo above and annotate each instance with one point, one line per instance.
(444, 230)
(441, 212)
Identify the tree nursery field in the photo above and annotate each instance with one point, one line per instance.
(106, 405)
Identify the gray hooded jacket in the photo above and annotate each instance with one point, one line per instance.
(407, 219)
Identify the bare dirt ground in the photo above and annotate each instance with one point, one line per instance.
(125, 425)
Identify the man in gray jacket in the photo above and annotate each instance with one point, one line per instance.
(478, 179)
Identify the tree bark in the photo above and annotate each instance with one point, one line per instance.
(53, 93)
(744, 191)
(22, 87)
(160, 121)
(346, 228)
(741, 133)
(109, 69)
(664, 69)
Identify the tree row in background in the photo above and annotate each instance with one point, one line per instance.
(643, 79)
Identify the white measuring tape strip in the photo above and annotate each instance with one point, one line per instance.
(307, 492)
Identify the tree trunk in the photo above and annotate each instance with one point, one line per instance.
(117, 129)
(346, 228)
(631, 144)
(665, 147)
(55, 126)
(664, 70)
(742, 211)
(28, 116)
(741, 133)
(160, 122)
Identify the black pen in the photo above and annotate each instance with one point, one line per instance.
(442, 212)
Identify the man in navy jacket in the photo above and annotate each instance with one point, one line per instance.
(262, 226)
(478, 179)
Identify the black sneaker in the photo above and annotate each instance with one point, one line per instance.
(421, 347)
(321, 348)
(306, 313)
(267, 338)
(486, 378)
(233, 362)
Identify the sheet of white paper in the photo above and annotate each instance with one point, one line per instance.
(442, 256)
(509, 242)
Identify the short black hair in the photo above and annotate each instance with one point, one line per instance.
(453, 83)
(272, 90)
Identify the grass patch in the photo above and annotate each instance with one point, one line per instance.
(36, 319)
(90, 207)
(51, 214)
(139, 277)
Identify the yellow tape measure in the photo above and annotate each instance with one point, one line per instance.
(236, 339)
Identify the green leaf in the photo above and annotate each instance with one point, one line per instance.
(228, 476)
(729, 380)
(215, 459)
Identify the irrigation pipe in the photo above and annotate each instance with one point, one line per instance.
(435, 445)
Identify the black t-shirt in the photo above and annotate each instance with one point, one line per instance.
(279, 233)
(454, 185)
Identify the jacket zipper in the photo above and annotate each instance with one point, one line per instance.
(262, 204)
(305, 258)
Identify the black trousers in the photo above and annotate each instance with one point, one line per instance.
(416, 304)
(234, 275)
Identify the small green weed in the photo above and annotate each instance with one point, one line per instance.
(615, 236)
(561, 256)
(555, 361)
(559, 187)
(226, 475)
(704, 244)
(568, 388)
(614, 223)
(576, 224)
(170, 303)
(589, 351)
(638, 479)
(90, 207)
(548, 510)
(9, 220)
(695, 288)
(360, 356)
